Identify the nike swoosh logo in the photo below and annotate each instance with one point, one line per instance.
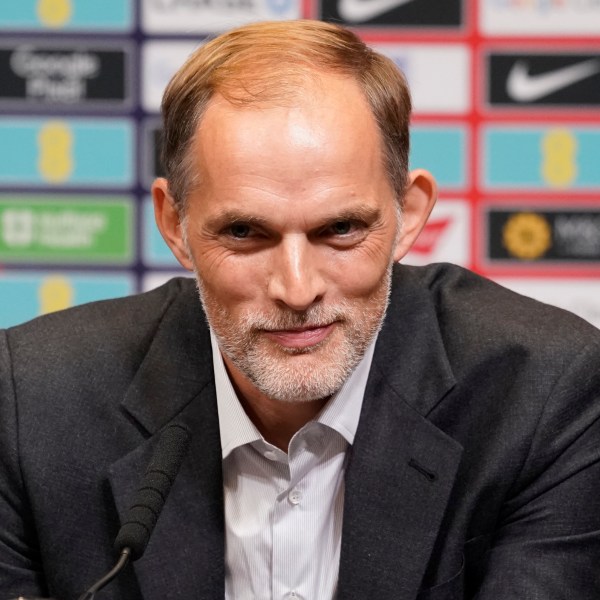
(356, 11)
(523, 87)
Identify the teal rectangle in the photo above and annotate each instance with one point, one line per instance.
(441, 150)
(25, 295)
(54, 152)
(544, 158)
(67, 15)
(155, 251)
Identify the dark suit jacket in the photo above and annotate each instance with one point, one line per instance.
(475, 471)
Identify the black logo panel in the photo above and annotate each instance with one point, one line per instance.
(65, 75)
(564, 236)
(546, 79)
(395, 13)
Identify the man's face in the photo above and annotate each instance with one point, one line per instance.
(292, 233)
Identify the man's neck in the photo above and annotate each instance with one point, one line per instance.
(277, 421)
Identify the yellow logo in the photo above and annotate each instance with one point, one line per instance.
(527, 235)
(55, 160)
(54, 13)
(55, 293)
(559, 153)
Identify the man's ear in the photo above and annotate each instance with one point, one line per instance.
(419, 201)
(169, 222)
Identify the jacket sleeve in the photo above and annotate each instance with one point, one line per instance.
(20, 567)
(547, 542)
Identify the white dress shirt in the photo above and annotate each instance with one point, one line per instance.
(283, 512)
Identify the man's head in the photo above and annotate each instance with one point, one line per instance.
(266, 63)
(291, 220)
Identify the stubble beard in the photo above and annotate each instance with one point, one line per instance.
(298, 374)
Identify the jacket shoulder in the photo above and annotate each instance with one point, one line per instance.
(101, 340)
(487, 313)
(102, 322)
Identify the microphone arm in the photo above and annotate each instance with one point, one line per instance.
(148, 503)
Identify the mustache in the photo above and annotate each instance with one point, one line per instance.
(285, 319)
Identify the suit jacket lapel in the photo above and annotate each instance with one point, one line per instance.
(184, 557)
(402, 468)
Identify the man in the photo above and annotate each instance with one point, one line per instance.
(446, 446)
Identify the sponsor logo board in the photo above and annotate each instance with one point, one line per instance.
(579, 296)
(551, 235)
(83, 229)
(66, 152)
(160, 61)
(72, 75)
(430, 68)
(206, 16)
(446, 236)
(543, 79)
(550, 157)
(25, 295)
(67, 15)
(394, 13)
(441, 150)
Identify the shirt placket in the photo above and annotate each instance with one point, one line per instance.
(291, 528)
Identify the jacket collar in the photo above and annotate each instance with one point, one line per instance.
(410, 353)
(177, 366)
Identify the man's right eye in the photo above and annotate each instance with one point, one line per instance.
(239, 230)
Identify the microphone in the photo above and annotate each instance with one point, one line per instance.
(148, 503)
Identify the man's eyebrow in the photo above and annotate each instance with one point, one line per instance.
(359, 212)
(227, 217)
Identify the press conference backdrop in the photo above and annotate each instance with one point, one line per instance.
(507, 117)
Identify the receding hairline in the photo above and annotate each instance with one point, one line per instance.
(311, 85)
(269, 63)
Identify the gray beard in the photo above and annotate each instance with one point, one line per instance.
(283, 373)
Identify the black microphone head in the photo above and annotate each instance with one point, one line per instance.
(153, 491)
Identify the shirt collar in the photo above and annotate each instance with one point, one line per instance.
(341, 413)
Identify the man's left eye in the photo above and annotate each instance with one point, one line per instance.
(341, 227)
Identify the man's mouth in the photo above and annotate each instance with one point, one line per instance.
(300, 337)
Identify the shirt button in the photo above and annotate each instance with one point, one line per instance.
(294, 497)
(270, 455)
(293, 596)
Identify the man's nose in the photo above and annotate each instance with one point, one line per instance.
(296, 276)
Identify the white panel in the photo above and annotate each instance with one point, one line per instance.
(540, 17)
(207, 16)
(160, 60)
(438, 75)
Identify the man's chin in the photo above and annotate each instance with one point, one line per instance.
(296, 390)
(299, 375)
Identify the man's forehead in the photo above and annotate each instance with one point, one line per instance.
(322, 129)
